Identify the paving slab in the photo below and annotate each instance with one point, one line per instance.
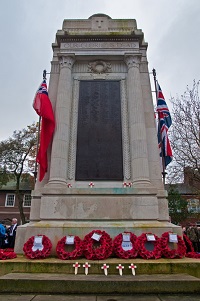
(64, 298)
(179, 298)
(18, 297)
(97, 298)
(144, 297)
(134, 297)
(129, 298)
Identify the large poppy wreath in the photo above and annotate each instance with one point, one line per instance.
(147, 254)
(100, 249)
(179, 252)
(120, 252)
(7, 254)
(63, 254)
(38, 254)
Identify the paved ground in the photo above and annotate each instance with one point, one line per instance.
(137, 297)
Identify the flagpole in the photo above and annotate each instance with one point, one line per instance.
(38, 139)
(161, 143)
(38, 136)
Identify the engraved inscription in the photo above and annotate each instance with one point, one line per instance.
(99, 135)
(89, 45)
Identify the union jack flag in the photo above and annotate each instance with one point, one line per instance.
(164, 122)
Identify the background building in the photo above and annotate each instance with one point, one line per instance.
(189, 190)
(9, 201)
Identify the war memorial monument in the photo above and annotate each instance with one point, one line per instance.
(103, 164)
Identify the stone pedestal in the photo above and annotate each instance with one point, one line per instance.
(101, 49)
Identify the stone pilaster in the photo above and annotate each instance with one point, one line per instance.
(60, 147)
(137, 128)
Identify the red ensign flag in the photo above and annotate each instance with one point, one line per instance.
(43, 107)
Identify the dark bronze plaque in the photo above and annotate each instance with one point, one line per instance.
(99, 135)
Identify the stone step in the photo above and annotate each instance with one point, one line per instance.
(21, 264)
(51, 283)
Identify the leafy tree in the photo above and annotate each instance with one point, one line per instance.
(185, 137)
(17, 157)
(177, 206)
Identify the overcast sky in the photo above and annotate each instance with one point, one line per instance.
(28, 28)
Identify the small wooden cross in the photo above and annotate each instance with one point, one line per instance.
(76, 266)
(105, 267)
(120, 268)
(133, 267)
(86, 266)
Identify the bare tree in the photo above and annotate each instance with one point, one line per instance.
(4, 177)
(17, 158)
(185, 137)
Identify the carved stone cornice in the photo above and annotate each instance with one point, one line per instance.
(66, 61)
(132, 60)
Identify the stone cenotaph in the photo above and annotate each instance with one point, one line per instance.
(103, 164)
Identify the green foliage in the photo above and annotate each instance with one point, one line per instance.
(177, 206)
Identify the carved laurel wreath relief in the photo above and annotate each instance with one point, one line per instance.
(99, 67)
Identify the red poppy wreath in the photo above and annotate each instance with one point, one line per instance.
(119, 250)
(63, 254)
(97, 245)
(37, 254)
(172, 253)
(147, 254)
(7, 254)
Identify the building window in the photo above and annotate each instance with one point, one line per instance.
(10, 200)
(27, 200)
(193, 206)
